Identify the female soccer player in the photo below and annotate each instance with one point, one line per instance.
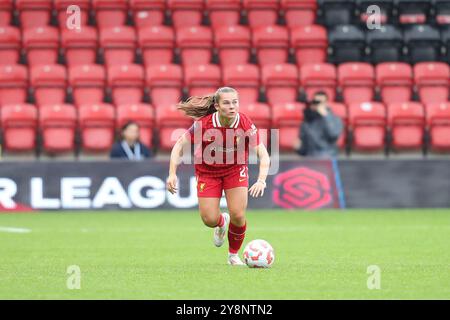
(222, 137)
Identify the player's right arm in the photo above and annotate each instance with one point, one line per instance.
(175, 160)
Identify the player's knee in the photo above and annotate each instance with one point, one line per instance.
(238, 217)
(209, 221)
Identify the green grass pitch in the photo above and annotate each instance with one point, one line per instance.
(170, 255)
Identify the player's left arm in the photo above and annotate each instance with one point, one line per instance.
(257, 189)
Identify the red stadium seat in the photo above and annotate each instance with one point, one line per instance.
(261, 116)
(87, 83)
(13, 84)
(299, 12)
(394, 79)
(406, 121)
(271, 44)
(110, 13)
(41, 45)
(224, 13)
(165, 83)
(119, 45)
(310, 44)
(96, 124)
(340, 110)
(142, 114)
(80, 46)
(356, 80)
(62, 5)
(6, 10)
(58, 123)
(202, 79)
(195, 45)
(186, 13)
(126, 83)
(261, 12)
(432, 81)
(281, 82)
(233, 44)
(367, 121)
(259, 113)
(245, 79)
(19, 124)
(287, 117)
(438, 123)
(9, 45)
(157, 44)
(49, 84)
(148, 12)
(171, 123)
(34, 13)
(319, 77)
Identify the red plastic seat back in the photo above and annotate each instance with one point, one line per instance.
(119, 44)
(406, 121)
(202, 79)
(157, 44)
(319, 77)
(394, 79)
(271, 43)
(367, 121)
(223, 13)
(233, 44)
(97, 122)
(310, 44)
(261, 12)
(142, 114)
(10, 43)
(58, 124)
(438, 122)
(245, 79)
(299, 12)
(19, 124)
(49, 83)
(357, 80)
(432, 81)
(13, 84)
(195, 44)
(281, 82)
(80, 46)
(165, 83)
(186, 13)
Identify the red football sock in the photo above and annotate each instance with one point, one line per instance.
(236, 236)
(221, 221)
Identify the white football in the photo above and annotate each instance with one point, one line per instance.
(259, 254)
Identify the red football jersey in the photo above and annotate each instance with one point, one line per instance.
(219, 149)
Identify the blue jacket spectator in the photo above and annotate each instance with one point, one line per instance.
(130, 147)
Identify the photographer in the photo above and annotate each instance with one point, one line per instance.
(320, 129)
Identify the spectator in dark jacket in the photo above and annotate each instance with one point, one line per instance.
(130, 147)
(320, 129)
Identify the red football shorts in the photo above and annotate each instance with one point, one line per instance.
(212, 187)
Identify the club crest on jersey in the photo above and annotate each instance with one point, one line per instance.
(202, 186)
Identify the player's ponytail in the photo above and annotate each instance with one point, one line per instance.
(200, 106)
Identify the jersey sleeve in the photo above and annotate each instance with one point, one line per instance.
(194, 130)
(253, 132)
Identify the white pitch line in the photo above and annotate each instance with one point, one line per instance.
(14, 230)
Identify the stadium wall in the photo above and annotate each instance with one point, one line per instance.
(307, 184)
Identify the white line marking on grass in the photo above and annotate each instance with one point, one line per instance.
(14, 230)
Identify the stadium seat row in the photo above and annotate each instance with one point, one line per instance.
(350, 82)
(219, 12)
(404, 12)
(153, 12)
(228, 44)
(158, 44)
(367, 125)
(388, 43)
